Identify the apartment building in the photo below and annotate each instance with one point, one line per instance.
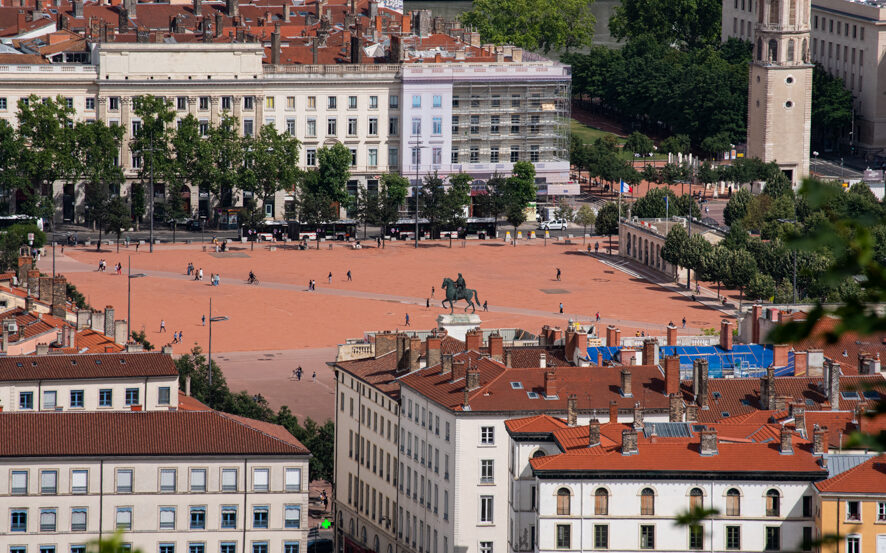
(93, 382)
(846, 38)
(172, 481)
(852, 505)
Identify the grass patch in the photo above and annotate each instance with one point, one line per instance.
(590, 134)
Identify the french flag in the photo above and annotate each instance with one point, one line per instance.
(626, 188)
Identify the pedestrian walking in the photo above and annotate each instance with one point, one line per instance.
(485, 306)
(137, 244)
(378, 241)
(596, 247)
(407, 320)
(558, 273)
(298, 372)
(329, 278)
(684, 322)
(349, 275)
(162, 325)
(561, 307)
(204, 319)
(314, 377)
(179, 336)
(598, 316)
(427, 303)
(432, 291)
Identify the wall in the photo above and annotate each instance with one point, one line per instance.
(148, 393)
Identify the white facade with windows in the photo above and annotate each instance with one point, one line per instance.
(149, 394)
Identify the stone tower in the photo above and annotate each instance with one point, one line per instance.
(780, 87)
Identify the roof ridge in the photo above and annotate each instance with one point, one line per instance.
(241, 421)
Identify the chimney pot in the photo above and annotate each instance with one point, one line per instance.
(593, 433)
(473, 340)
(613, 412)
(819, 440)
(638, 416)
(675, 408)
(446, 364)
(626, 383)
(786, 447)
(496, 346)
(629, 442)
(726, 335)
(571, 410)
(708, 444)
(551, 387)
(472, 379)
(672, 335)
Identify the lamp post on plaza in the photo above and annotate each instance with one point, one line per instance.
(129, 277)
(815, 160)
(216, 319)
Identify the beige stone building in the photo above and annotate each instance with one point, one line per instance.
(780, 87)
(642, 240)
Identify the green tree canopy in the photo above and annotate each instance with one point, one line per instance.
(686, 23)
(831, 106)
(607, 219)
(639, 143)
(737, 206)
(540, 25)
(585, 217)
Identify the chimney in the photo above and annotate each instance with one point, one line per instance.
(708, 445)
(467, 399)
(77, 8)
(472, 379)
(569, 342)
(402, 352)
(5, 339)
(767, 390)
(786, 447)
(414, 353)
(352, 8)
(801, 363)
(458, 370)
(692, 413)
(593, 433)
(135, 347)
(571, 410)
(188, 385)
(130, 6)
(781, 402)
(599, 358)
(24, 265)
(45, 292)
(638, 416)
(82, 319)
(109, 322)
(98, 321)
(42, 349)
(446, 364)
(165, 349)
(473, 340)
(798, 412)
(509, 359)
(385, 342)
(756, 314)
(198, 8)
(649, 351)
(700, 382)
(832, 373)
(432, 351)
(551, 387)
(173, 24)
(275, 45)
(120, 336)
(613, 412)
(287, 12)
(207, 30)
(123, 20)
(314, 50)
(232, 8)
(219, 23)
(610, 336)
(780, 355)
(626, 383)
(542, 360)
(672, 335)
(675, 408)
(819, 440)
(406, 25)
(629, 442)
(34, 283)
(672, 375)
(59, 295)
(726, 335)
(496, 346)
(580, 349)
(617, 337)
(29, 303)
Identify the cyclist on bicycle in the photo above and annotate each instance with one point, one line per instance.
(252, 278)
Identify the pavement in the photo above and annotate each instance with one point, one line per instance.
(277, 325)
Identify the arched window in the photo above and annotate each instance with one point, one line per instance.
(793, 13)
(375, 544)
(791, 50)
(351, 528)
(773, 50)
(759, 49)
(629, 243)
(647, 502)
(804, 54)
(696, 498)
(539, 453)
(733, 503)
(363, 535)
(774, 9)
(773, 503)
(601, 502)
(564, 498)
(390, 548)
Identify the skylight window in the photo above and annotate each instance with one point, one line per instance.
(532, 395)
(849, 395)
(724, 414)
(516, 385)
(717, 395)
(552, 397)
(872, 394)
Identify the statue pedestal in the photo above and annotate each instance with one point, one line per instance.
(459, 324)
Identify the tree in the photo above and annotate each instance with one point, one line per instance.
(716, 144)
(271, 164)
(831, 107)
(607, 221)
(391, 195)
(760, 287)
(639, 143)
(118, 217)
(707, 174)
(737, 207)
(685, 23)
(697, 252)
(539, 25)
(333, 168)
(675, 247)
(194, 157)
(224, 151)
(564, 211)
(578, 154)
(13, 239)
(675, 144)
(715, 266)
(11, 151)
(519, 191)
(493, 202)
(458, 197)
(433, 203)
(137, 201)
(585, 217)
(778, 185)
(96, 148)
(742, 269)
(95, 203)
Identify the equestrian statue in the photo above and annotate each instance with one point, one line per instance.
(455, 291)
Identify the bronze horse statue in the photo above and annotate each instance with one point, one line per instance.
(453, 294)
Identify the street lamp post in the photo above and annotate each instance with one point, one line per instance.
(815, 160)
(129, 277)
(216, 319)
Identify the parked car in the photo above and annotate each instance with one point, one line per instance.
(553, 224)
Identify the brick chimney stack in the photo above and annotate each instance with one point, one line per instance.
(414, 353)
(232, 8)
(692, 413)
(472, 379)
(708, 445)
(726, 335)
(629, 442)
(672, 375)
(798, 412)
(767, 390)
(432, 350)
(819, 440)
(198, 8)
(219, 24)
(786, 447)
(780, 355)
(593, 433)
(402, 352)
(756, 314)
(551, 386)
(458, 370)
(496, 346)
(473, 340)
(59, 295)
(385, 342)
(832, 384)
(801, 363)
(613, 412)
(638, 416)
(610, 336)
(675, 408)
(509, 359)
(572, 410)
(109, 322)
(700, 382)
(77, 10)
(275, 44)
(542, 360)
(446, 363)
(123, 20)
(672, 335)
(626, 390)
(650, 346)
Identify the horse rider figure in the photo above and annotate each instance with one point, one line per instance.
(460, 286)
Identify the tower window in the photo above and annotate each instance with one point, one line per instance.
(789, 104)
(789, 80)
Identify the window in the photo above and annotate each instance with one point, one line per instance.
(853, 511)
(475, 124)
(733, 503)
(248, 102)
(534, 153)
(292, 516)
(49, 399)
(494, 123)
(312, 102)
(330, 126)
(486, 508)
(132, 396)
(21, 549)
(373, 102)
(203, 127)
(773, 538)
(733, 537)
(247, 127)
(19, 521)
(90, 104)
(773, 500)
(293, 480)
(124, 518)
(79, 481)
(78, 520)
(437, 126)
(806, 543)
(260, 480)
(292, 547)
(167, 518)
(696, 498)
(167, 480)
(48, 482)
(601, 536)
(166, 548)
(416, 101)
(269, 102)
(19, 482)
(290, 127)
(311, 157)
(475, 154)
(198, 518)
(124, 481)
(515, 124)
(259, 517)
(393, 156)
(352, 126)
(601, 502)
(26, 400)
(114, 103)
(515, 154)
(373, 126)
(487, 434)
(353, 157)
(163, 395)
(204, 103)
(564, 536)
(881, 511)
(564, 498)
(455, 124)
(416, 126)
(77, 549)
(373, 157)
(227, 547)
(438, 101)
(196, 548)
(647, 502)
(331, 102)
(853, 544)
(696, 536)
(647, 536)
(104, 398)
(229, 516)
(394, 101)
(181, 103)
(485, 547)
(493, 154)
(198, 480)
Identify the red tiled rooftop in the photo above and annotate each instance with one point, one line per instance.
(868, 477)
(77, 367)
(90, 341)
(535, 424)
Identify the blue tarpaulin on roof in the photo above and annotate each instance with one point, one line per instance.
(742, 360)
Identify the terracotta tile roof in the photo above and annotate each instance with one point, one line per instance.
(190, 403)
(76, 367)
(535, 424)
(90, 341)
(868, 477)
(451, 346)
(152, 433)
(377, 371)
(850, 343)
(529, 357)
